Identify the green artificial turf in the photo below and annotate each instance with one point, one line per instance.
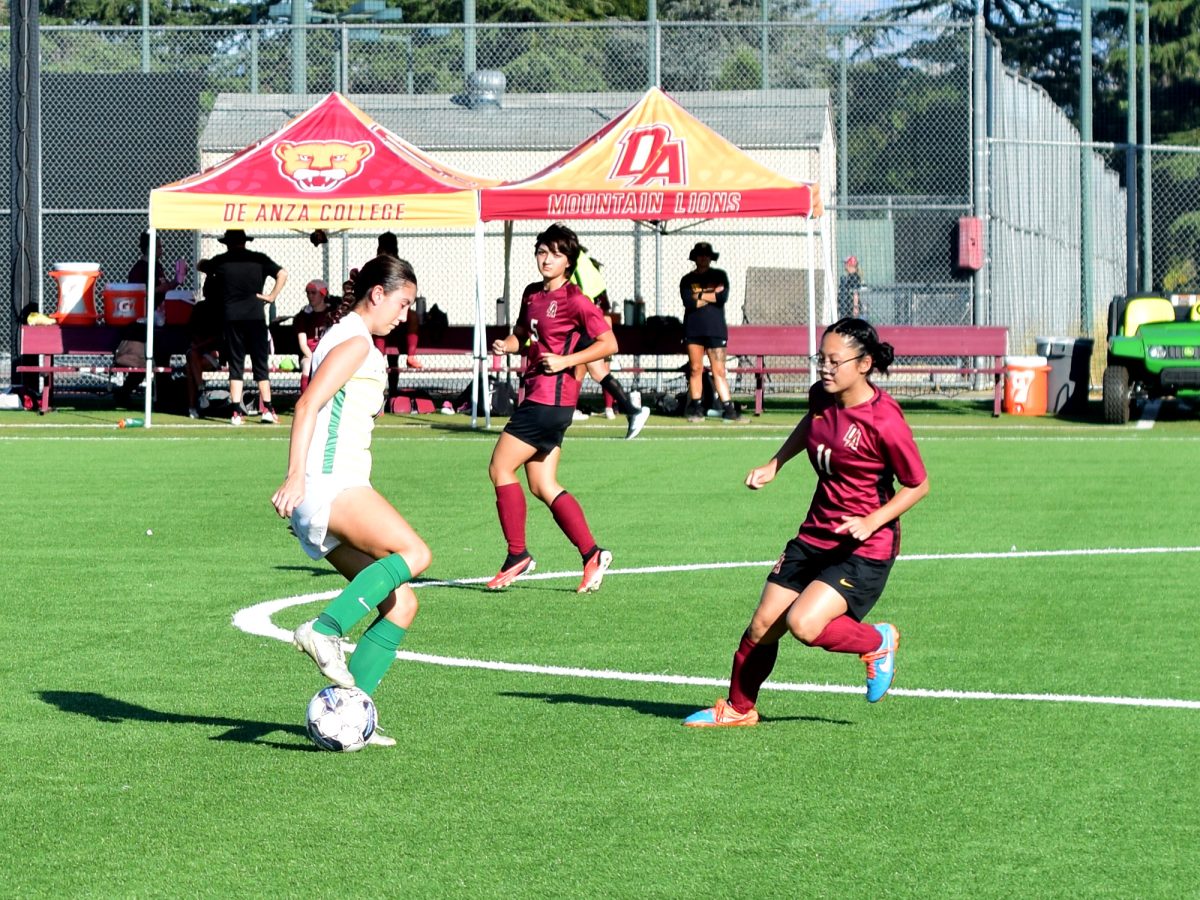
(151, 748)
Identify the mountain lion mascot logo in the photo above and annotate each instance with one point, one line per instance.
(321, 166)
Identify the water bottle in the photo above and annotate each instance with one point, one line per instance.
(131, 423)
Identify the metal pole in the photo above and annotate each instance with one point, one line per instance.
(1131, 241)
(254, 61)
(843, 127)
(1085, 169)
(25, 184)
(299, 32)
(652, 42)
(468, 37)
(1147, 214)
(764, 46)
(980, 159)
(145, 35)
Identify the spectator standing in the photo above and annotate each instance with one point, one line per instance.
(832, 573)
(310, 324)
(704, 292)
(850, 289)
(242, 274)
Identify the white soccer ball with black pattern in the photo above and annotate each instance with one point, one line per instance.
(341, 719)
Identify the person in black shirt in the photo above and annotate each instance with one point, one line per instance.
(849, 288)
(704, 292)
(242, 274)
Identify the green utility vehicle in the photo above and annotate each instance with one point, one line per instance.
(1153, 352)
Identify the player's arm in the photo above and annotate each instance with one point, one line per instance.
(280, 278)
(513, 342)
(332, 374)
(862, 527)
(602, 346)
(794, 444)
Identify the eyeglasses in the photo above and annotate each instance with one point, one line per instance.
(831, 365)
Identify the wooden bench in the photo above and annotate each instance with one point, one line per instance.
(976, 350)
(51, 343)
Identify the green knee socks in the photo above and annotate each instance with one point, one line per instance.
(362, 595)
(375, 654)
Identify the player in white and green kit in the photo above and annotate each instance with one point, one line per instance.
(327, 495)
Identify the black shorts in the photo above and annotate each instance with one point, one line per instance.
(708, 342)
(249, 337)
(539, 425)
(859, 580)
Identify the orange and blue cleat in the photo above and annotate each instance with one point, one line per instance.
(881, 663)
(721, 715)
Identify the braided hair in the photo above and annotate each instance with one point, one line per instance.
(861, 334)
(389, 272)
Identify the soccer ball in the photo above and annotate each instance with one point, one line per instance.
(341, 719)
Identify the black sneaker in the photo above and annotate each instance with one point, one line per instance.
(695, 411)
(731, 413)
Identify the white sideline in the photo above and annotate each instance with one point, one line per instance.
(256, 620)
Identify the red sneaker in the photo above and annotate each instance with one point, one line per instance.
(507, 576)
(593, 571)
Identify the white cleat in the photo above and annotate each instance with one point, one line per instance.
(379, 739)
(637, 422)
(326, 651)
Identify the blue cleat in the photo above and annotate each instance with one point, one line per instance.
(881, 663)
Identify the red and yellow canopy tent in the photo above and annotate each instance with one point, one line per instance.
(331, 167)
(653, 162)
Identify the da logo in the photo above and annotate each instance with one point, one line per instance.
(320, 166)
(649, 153)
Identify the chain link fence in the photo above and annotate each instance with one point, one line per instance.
(880, 114)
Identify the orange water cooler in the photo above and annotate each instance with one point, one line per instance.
(124, 303)
(76, 292)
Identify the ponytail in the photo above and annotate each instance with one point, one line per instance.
(388, 272)
(862, 334)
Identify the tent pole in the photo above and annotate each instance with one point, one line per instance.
(151, 284)
(812, 302)
(479, 392)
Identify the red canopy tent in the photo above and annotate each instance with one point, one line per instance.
(330, 167)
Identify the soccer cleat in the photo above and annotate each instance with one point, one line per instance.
(193, 413)
(721, 715)
(881, 663)
(635, 398)
(379, 739)
(237, 418)
(579, 416)
(593, 571)
(608, 413)
(326, 651)
(637, 422)
(269, 416)
(507, 576)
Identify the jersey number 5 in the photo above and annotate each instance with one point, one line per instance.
(533, 334)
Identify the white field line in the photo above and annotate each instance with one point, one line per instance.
(256, 620)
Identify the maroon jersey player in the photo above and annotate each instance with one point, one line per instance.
(554, 320)
(833, 572)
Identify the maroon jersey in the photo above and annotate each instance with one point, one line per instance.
(556, 321)
(857, 454)
(312, 324)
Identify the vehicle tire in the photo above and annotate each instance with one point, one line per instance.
(1116, 395)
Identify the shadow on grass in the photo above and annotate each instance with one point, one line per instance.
(113, 711)
(675, 711)
(315, 571)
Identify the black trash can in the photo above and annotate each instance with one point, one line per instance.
(1069, 378)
